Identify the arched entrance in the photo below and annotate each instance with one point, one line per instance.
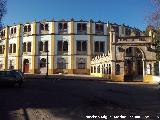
(26, 66)
(43, 68)
(133, 64)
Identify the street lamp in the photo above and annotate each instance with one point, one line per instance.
(47, 64)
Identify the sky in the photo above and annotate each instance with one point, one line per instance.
(128, 12)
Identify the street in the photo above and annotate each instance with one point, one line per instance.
(61, 99)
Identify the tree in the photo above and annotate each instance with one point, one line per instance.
(154, 24)
(154, 17)
(2, 11)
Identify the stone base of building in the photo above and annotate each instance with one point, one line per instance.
(148, 79)
(82, 71)
(34, 71)
(118, 78)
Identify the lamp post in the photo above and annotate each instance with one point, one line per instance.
(47, 65)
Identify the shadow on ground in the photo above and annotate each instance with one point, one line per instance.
(71, 100)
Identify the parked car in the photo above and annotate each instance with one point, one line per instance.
(12, 77)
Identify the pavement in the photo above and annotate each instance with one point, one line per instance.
(71, 99)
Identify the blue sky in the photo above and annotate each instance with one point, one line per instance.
(129, 12)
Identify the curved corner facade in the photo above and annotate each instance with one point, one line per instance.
(70, 46)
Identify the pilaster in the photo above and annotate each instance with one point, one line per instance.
(51, 63)
(90, 44)
(34, 47)
(72, 46)
(6, 48)
(18, 56)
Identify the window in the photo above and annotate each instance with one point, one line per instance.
(3, 33)
(128, 51)
(91, 69)
(81, 63)
(82, 46)
(42, 26)
(94, 69)
(62, 27)
(65, 46)
(24, 47)
(81, 28)
(25, 28)
(46, 27)
(15, 30)
(62, 46)
(42, 63)
(61, 63)
(99, 46)
(40, 46)
(29, 47)
(46, 46)
(117, 69)
(109, 71)
(29, 28)
(1, 49)
(10, 48)
(14, 48)
(11, 30)
(99, 28)
(127, 31)
(98, 69)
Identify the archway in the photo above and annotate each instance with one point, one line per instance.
(133, 64)
(26, 66)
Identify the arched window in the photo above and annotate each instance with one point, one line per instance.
(29, 28)
(42, 62)
(94, 69)
(65, 46)
(14, 48)
(15, 30)
(11, 30)
(42, 26)
(81, 63)
(29, 47)
(25, 28)
(10, 48)
(24, 47)
(40, 46)
(61, 63)
(117, 69)
(91, 69)
(109, 68)
(98, 69)
(46, 27)
(46, 46)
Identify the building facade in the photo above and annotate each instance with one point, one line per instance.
(70, 46)
(131, 57)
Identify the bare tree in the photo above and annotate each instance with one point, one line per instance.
(2, 10)
(154, 17)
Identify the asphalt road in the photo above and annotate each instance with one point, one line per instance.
(60, 99)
